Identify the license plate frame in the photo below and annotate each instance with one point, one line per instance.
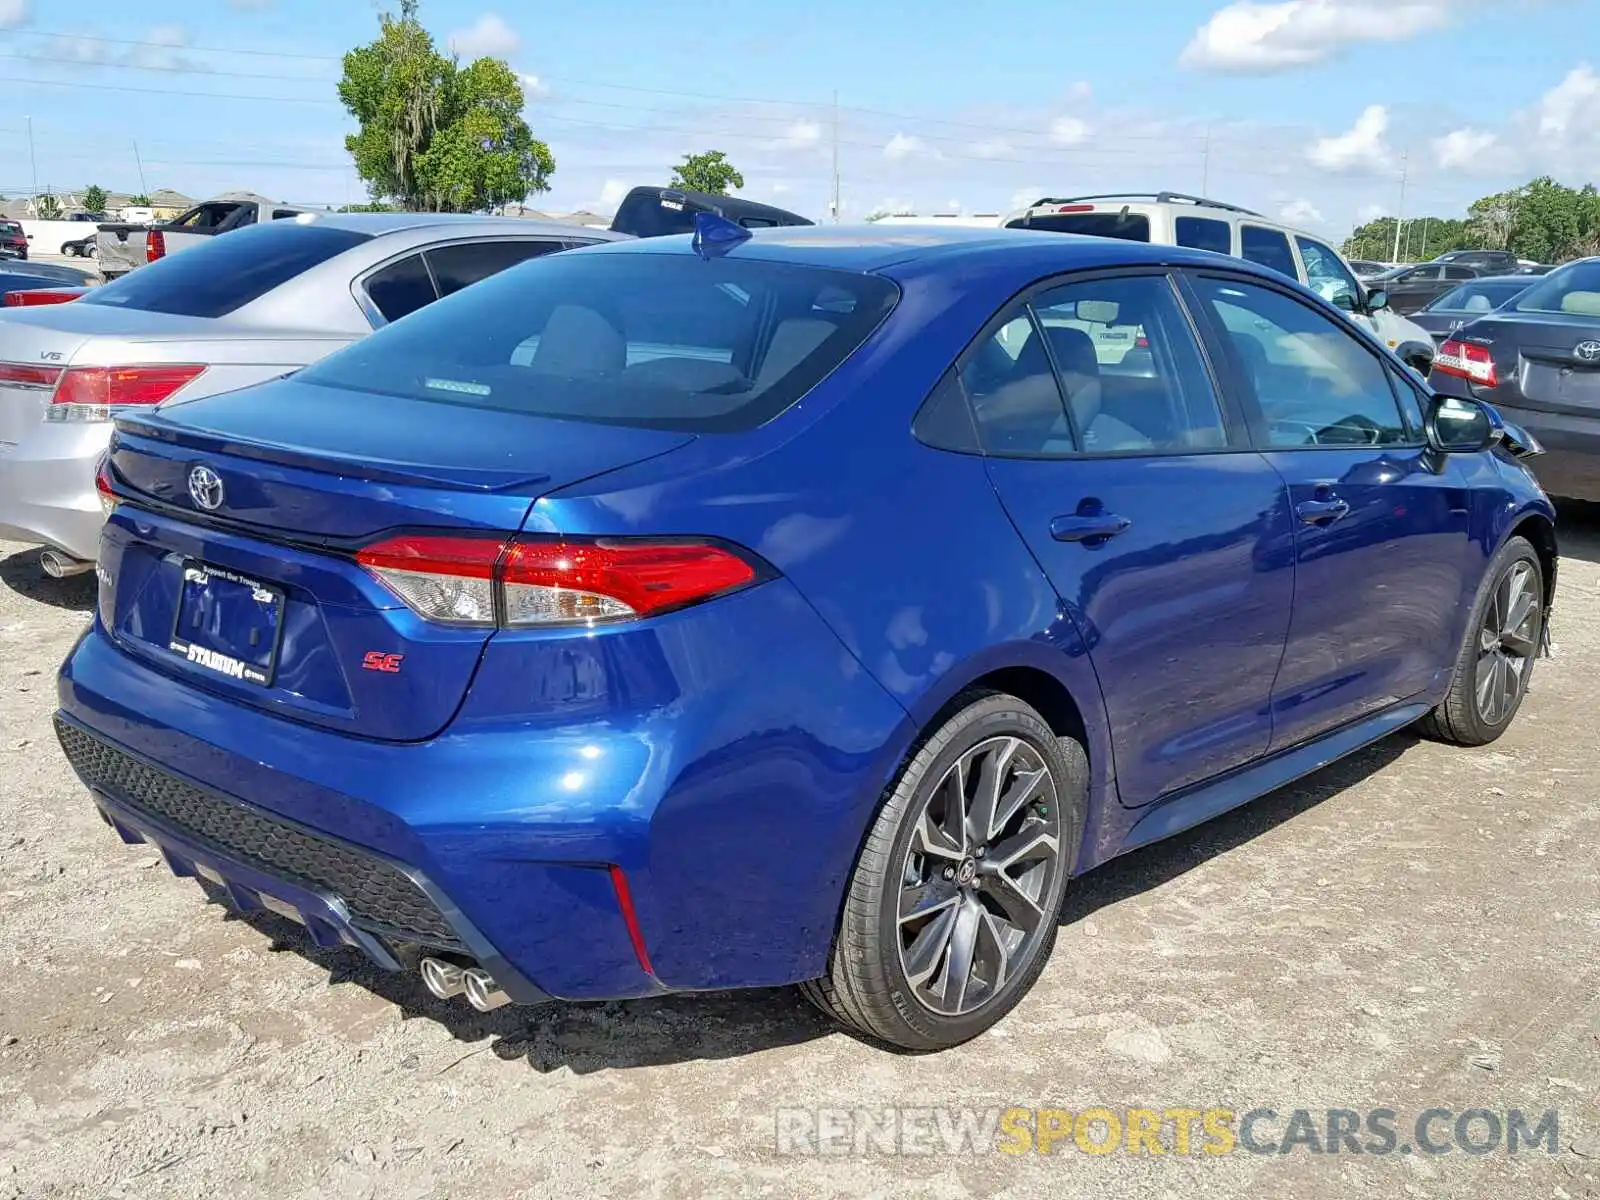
(195, 583)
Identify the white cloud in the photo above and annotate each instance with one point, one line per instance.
(1068, 131)
(1250, 36)
(902, 146)
(1300, 212)
(611, 194)
(1023, 197)
(1080, 92)
(1361, 147)
(1570, 102)
(15, 13)
(159, 49)
(1371, 212)
(534, 88)
(1465, 147)
(992, 148)
(802, 135)
(489, 36)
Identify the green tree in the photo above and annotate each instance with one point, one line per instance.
(139, 201)
(95, 198)
(1491, 219)
(377, 206)
(435, 135)
(710, 172)
(49, 208)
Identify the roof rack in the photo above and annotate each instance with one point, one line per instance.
(1158, 197)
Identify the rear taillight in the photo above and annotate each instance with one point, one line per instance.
(28, 376)
(1467, 360)
(1074, 208)
(540, 582)
(103, 488)
(94, 393)
(155, 245)
(34, 296)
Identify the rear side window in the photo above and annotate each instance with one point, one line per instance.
(225, 273)
(1130, 227)
(456, 267)
(1268, 247)
(401, 288)
(659, 341)
(1203, 233)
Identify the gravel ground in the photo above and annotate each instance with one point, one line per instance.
(1415, 927)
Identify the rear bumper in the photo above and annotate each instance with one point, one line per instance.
(47, 490)
(734, 809)
(1570, 465)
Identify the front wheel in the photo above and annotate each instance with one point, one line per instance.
(1504, 634)
(951, 911)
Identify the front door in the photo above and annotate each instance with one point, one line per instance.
(1381, 524)
(1168, 542)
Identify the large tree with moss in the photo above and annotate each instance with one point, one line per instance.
(437, 136)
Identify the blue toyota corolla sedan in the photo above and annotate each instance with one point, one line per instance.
(805, 606)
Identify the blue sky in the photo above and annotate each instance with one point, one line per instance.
(1306, 108)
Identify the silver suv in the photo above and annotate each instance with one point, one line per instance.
(1177, 219)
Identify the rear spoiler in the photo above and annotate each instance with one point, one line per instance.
(655, 211)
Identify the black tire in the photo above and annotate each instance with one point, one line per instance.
(867, 986)
(1462, 718)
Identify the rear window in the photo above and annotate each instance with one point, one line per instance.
(659, 341)
(1573, 289)
(226, 272)
(646, 214)
(1477, 297)
(1130, 227)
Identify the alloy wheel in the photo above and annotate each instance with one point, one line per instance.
(1508, 641)
(984, 854)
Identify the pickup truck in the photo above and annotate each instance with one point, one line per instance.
(122, 247)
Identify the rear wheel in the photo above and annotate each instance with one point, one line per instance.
(1501, 644)
(951, 911)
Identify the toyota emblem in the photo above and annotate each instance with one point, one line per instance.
(205, 488)
(1587, 352)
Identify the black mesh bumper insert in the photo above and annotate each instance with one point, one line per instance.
(380, 897)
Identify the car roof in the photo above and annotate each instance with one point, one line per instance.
(378, 224)
(868, 248)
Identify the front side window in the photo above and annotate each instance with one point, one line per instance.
(650, 340)
(1326, 275)
(1315, 383)
(1269, 247)
(1130, 369)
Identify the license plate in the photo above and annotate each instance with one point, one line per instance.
(228, 623)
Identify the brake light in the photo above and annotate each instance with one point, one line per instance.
(29, 298)
(29, 376)
(92, 393)
(155, 245)
(543, 582)
(1075, 208)
(1467, 360)
(102, 486)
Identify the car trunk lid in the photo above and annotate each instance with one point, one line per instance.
(244, 581)
(1538, 357)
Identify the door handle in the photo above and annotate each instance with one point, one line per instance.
(1323, 511)
(1081, 527)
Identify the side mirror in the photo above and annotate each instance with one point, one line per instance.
(1377, 300)
(1456, 426)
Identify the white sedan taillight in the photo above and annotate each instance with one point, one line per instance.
(537, 581)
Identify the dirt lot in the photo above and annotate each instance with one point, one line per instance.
(1414, 928)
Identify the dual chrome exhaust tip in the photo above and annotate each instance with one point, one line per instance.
(446, 979)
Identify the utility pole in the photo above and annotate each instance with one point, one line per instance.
(1399, 216)
(1422, 255)
(139, 162)
(836, 157)
(1205, 167)
(34, 159)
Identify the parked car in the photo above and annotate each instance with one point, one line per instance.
(123, 247)
(86, 247)
(13, 241)
(44, 293)
(1365, 268)
(1177, 219)
(1537, 360)
(1485, 262)
(232, 312)
(34, 283)
(1534, 269)
(561, 634)
(1411, 288)
(1467, 302)
(658, 211)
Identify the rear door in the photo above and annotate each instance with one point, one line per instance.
(1380, 526)
(1166, 537)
